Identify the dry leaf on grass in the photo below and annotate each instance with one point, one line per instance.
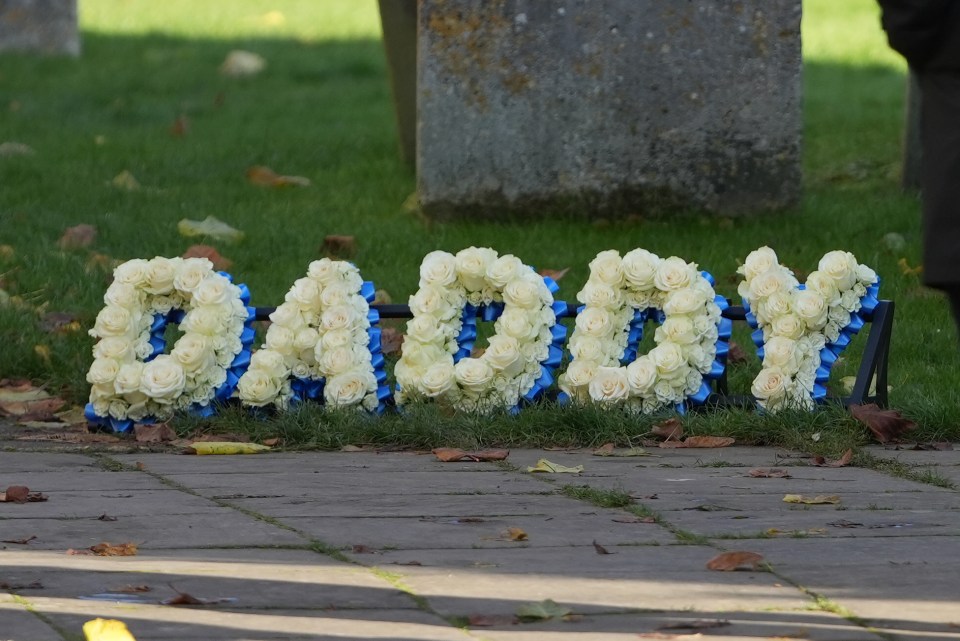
(240, 63)
(210, 226)
(180, 126)
(600, 549)
(886, 425)
(820, 499)
(634, 519)
(106, 630)
(700, 441)
(20, 541)
(844, 460)
(730, 561)
(158, 433)
(126, 181)
(736, 354)
(907, 270)
(336, 246)
(391, 340)
(545, 466)
(513, 534)
(60, 323)
(452, 455)
(669, 430)
(941, 446)
(10, 149)
(77, 237)
(608, 449)
(266, 177)
(554, 274)
(363, 549)
(487, 620)
(21, 494)
(210, 253)
(109, 549)
(769, 473)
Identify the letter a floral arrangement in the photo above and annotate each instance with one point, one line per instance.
(323, 343)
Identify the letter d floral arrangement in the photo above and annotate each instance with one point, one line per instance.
(323, 344)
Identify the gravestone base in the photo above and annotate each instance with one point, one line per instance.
(39, 26)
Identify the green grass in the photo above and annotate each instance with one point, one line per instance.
(322, 110)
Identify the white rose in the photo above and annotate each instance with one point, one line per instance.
(124, 295)
(160, 274)
(472, 264)
(280, 338)
(336, 361)
(849, 301)
(432, 301)
(335, 339)
(474, 374)
(193, 352)
(666, 392)
(768, 283)
(674, 273)
(597, 294)
(781, 352)
(438, 269)
(669, 360)
(841, 266)
(588, 348)
(438, 379)
(684, 301)
(824, 286)
(114, 321)
(503, 355)
(214, 290)
(348, 388)
(133, 272)
(191, 272)
(103, 371)
(639, 267)
(270, 362)
(305, 293)
(676, 329)
(517, 323)
(426, 329)
(578, 374)
(607, 268)
(209, 321)
(163, 304)
(810, 307)
(770, 385)
(866, 275)
(128, 378)
(596, 322)
(525, 292)
(162, 379)
(504, 270)
(119, 349)
(609, 385)
(301, 369)
(838, 316)
(338, 318)
(335, 295)
(789, 325)
(777, 304)
(305, 338)
(642, 375)
(757, 262)
(324, 271)
(287, 315)
(258, 387)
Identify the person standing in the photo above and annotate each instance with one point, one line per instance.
(927, 34)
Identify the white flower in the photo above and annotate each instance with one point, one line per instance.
(777, 304)
(503, 354)
(280, 338)
(684, 301)
(133, 272)
(258, 387)
(162, 379)
(338, 318)
(595, 322)
(642, 375)
(674, 273)
(609, 385)
(841, 266)
(306, 339)
(474, 374)
(770, 385)
(432, 301)
(639, 267)
(160, 274)
(769, 283)
(782, 353)
(607, 268)
(426, 329)
(810, 307)
(676, 329)
(349, 388)
(504, 270)
(517, 323)
(334, 339)
(824, 286)
(193, 352)
(789, 325)
(849, 301)
(525, 292)
(124, 295)
(103, 371)
(270, 362)
(336, 361)
(114, 321)
(578, 375)
(438, 379)
(190, 273)
(757, 262)
(587, 348)
(335, 295)
(472, 264)
(866, 275)
(597, 294)
(438, 269)
(669, 360)
(209, 321)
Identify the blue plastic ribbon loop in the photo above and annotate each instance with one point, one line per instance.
(581, 308)
(723, 348)
(823, 374)
(757, 337)
(90, 414)
(232, 380)
(461, 354)
(532, 393)
(709, 277)
(842, 341)
(874, 290)
(725, 328)
(383, 392)
(203, 411)
(377, 360)
(869, 303)
(760, 353)
(716, 370)
(159, 324)
(634, 335)
(560, 308)
(242, 359)
(659, 316)
(373, 316)
(123, 424)
(176, 316)
(555, 356)
(368, 291)
(639, 316)
(855, 325)
(819, 392)
(721, 302)
(490, 313)
(681, 408)
(381, 376)
(563, 398)
(514, 410)
(546, 378)
(158, 344)
(751, 319)
(559, 333)
(247, 336)
(467, 333)
(702, 394)
(374, 334)
(251, 314)
(244, 293)
(827, 357)
(629, 355)
(551, 284)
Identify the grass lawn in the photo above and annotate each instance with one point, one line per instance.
(322, 110)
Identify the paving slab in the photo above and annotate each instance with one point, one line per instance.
(85, 478)
(14, 462)
(80, 504)
(17, 623)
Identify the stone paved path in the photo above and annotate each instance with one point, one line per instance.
(359, 546)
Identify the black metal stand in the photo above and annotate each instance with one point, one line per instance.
(874, 363)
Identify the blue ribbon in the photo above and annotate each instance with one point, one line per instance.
(159, 324)
(555, 356)
(702, 394)
(563, 398)
(373, 344)
(757, 337)
(373, 316)
(725, 328)
(819, 392)
(176, 316)
(226, 275)
(489, 313)
(716, 370)
(551, 284)
(559, 333)
(468, 333)
(244, 293)
(709, 277)
(856, 324)
(823, 374)
(368, 291)
(560, 309)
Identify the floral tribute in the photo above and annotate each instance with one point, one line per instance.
(620, 295)
(323, 343)
(518, 362)
(800, 330)
(132, 378)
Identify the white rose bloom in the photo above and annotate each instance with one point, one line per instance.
(789, 325)
(759, 261)
(810, 307)
(324, 271)
(474, 374)
(301, 369)
(338, 318)
(607, 268)
(258, 388)
(666, 392)
(432, 301)
(525, 292)
(336, 361)
(703, 325)
(639, 300)
(850, 301)
(674, 273)
(503, 354)
(160, 274)
(504, 270)
(684, 301)
(588, 348)
(782, 353)
(866, 275)
(193, 352)
(270, 362)
(103, 371)
(777, 304)
(676, 329)
(642, 375)
(162, 379)
(597, 294)
(639, 267)
(832, 331)
(609, 385)
(768, 283)
(595, 322)
(305, 339)
(162, 304)
(124, 295)
(426, 329)
(334, 339)
(133, 272)
(191, 272)
(577, 376)
(438, 269)
(209, 321)
(438, 379)
(770, 385)
(824, 286)
(472, 264)
(838, 316)
(420, 355)
(128, 378)
(288, 315)
(516, 322)
(841, 266)
(335, 295)
(119, 349)
(305, 293)
(349, 388)
(280, 338)
(670, 361)
(115, 321)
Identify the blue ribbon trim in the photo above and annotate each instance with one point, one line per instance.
(368, 291)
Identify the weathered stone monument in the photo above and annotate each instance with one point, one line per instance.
(42, 26)
(608, 107)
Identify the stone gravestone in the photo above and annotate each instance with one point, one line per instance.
(608, 107)
(43, 26)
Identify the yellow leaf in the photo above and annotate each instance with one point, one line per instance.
(221, 447)
(125, 180)
(43, 351)
(543, 465)
(514, 534)
(106, 630)
(209, 226)
(907, 269)
(819, 499)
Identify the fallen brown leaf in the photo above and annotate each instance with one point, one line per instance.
(156, 433)
(266, 177)
(769, 473)
(15, 494)
(699, 624)
(671, 445)
(844, 460)
(109, 549)
(514, 534)
(886, 425)
(669, 430)
(452, 455)
(36, 585)
(59, 322)
(604, 450)
(940, 446)
(737, 355)
(220, 263)
(336, 246)
(72, 552)
(820, 499)
(729, 561)
(364, 549)
(487, 620)
(183, 598)
(77, 237)
(907, 270)
(554, 274)
(132, 589)
(270, 442)
(180, 126)
(600, 549)
(414, 563)
(20, 541)
(106, 517)
(391, 340)
(708, 441)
